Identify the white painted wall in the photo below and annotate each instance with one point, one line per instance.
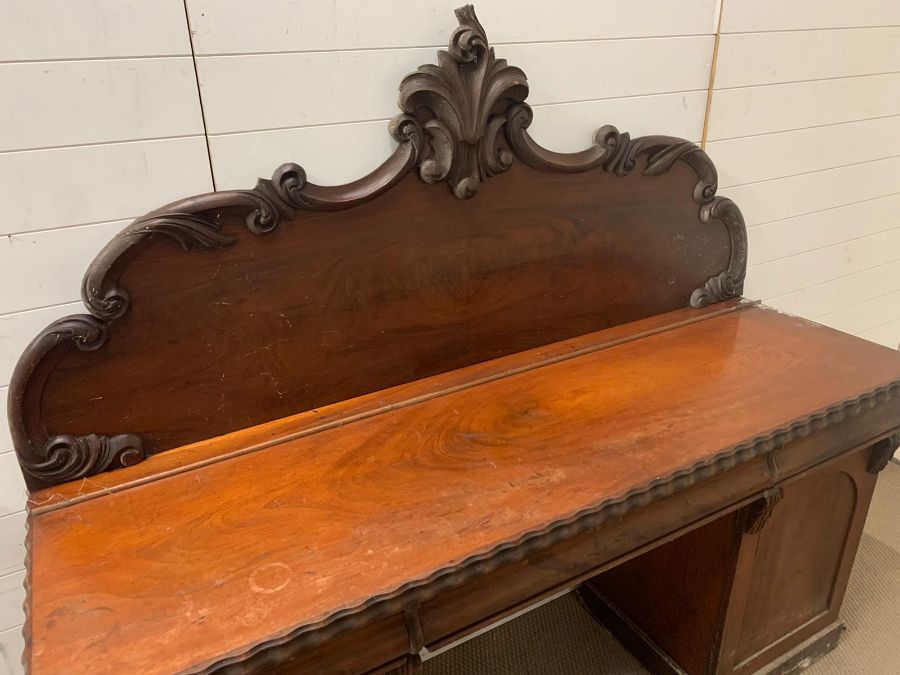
(101, 119)
(805, 129)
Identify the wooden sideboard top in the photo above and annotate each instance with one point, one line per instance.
(399, 491)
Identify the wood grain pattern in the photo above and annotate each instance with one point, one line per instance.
(346, 294)
(288, 428)
(690, 580)
(728, 599)
(400, 496)
(449, 293)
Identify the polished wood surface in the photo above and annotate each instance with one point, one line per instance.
(338, 414)
(334, 305)
(211, 561)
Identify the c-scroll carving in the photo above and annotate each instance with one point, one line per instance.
(618, 153)
(65, 457)
(881, 453)
(193, 224)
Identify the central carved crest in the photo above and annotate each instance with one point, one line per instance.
(461, 104)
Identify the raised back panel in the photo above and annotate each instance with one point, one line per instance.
(231, 309)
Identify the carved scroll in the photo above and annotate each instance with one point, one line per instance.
(462, 121)
(757, 514)
(460, 103)
(63, 458)
(193, 224)
(881, 453)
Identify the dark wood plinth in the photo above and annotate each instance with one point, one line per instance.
(756, 591)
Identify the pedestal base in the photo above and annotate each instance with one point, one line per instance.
(755, 592)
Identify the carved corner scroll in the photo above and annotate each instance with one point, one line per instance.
(757, 514)
(618, 153)
(881, 453)
(193, 224)
(462, 121)
(62, 458)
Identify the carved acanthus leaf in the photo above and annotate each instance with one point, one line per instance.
(188, 230)
(64, 458)
(72, 457)
(757, 514)
(195, 223)
(461, 104)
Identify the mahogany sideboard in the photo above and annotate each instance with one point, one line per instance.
(331, 429)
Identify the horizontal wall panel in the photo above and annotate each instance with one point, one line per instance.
(18, 330)
(5, 438)
(782, 238)
(249, 93)
(770, 58)
(887, 334)
(12, 485)
(12, 596)
(330, 154)
(334, 154)
(864, 315)
(45, 268)
(12, 553)
(578, 71)
(77, 102)
(63, 29)
(763, 15)
(780, 107)
(237, 26)
(12, 644)
(835, 294)
(778, 277)
(797, 195)
(570, 127)
(68, 186)
(755, 158)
